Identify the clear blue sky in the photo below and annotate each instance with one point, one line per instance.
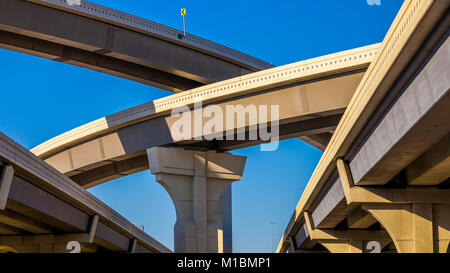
(41, 99)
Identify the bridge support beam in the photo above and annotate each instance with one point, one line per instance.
(197, 182)
(415, 228)
(415, 218)
(343, 246)
(6, 176)
(49, 243)
(345, 241)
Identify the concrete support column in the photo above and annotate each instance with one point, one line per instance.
(224, 222)
(414, 228)
(197, 183)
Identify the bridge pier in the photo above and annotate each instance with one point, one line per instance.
(345, 241)
(415, 228)
(415, 218)
(224, 222)
(199, 185)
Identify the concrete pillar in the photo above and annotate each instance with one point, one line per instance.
(224, 222)
(414, 228)
(196, 182)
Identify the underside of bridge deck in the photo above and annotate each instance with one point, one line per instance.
(304, 99)
(388, 189)
(109, 41)
(42, 211)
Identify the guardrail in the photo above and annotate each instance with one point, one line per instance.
(278, 76)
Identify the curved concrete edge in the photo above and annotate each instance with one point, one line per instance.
(297, 72)
(50, 177)
(115, 17)
(403, 39)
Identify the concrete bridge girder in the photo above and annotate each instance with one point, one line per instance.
(304, 110)
(109, 42)
(393, 138)
(42, 211)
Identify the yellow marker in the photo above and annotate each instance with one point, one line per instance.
(183, 13)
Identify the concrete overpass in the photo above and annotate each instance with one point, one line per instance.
(109, 41)
(41, 211)
(311, 96)
(390, 135)
(382, 183)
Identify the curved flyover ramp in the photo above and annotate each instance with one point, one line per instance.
(109, 41)
(382, 184)
(43, 211)
(311, 96)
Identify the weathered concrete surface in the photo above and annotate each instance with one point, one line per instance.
(417, 120)
(45, 210)
(301, 236)
(197, 183)
(311, 96)
(432, 167)
(417, 30)
(332, 207)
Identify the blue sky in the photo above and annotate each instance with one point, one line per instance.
(41, 99)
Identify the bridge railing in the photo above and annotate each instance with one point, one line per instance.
(116, 17)
(332, 64)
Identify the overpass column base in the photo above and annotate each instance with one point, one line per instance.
(197, 182)
(224, 222)
(415, 228)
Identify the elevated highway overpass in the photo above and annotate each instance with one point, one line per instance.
(380, 113)
(110, 41)
(197, 170)
(41, 211)
(311, 95)
(382, 183)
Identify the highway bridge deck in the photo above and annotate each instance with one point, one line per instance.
(110, 41)
(384, 175)
(41, 210)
